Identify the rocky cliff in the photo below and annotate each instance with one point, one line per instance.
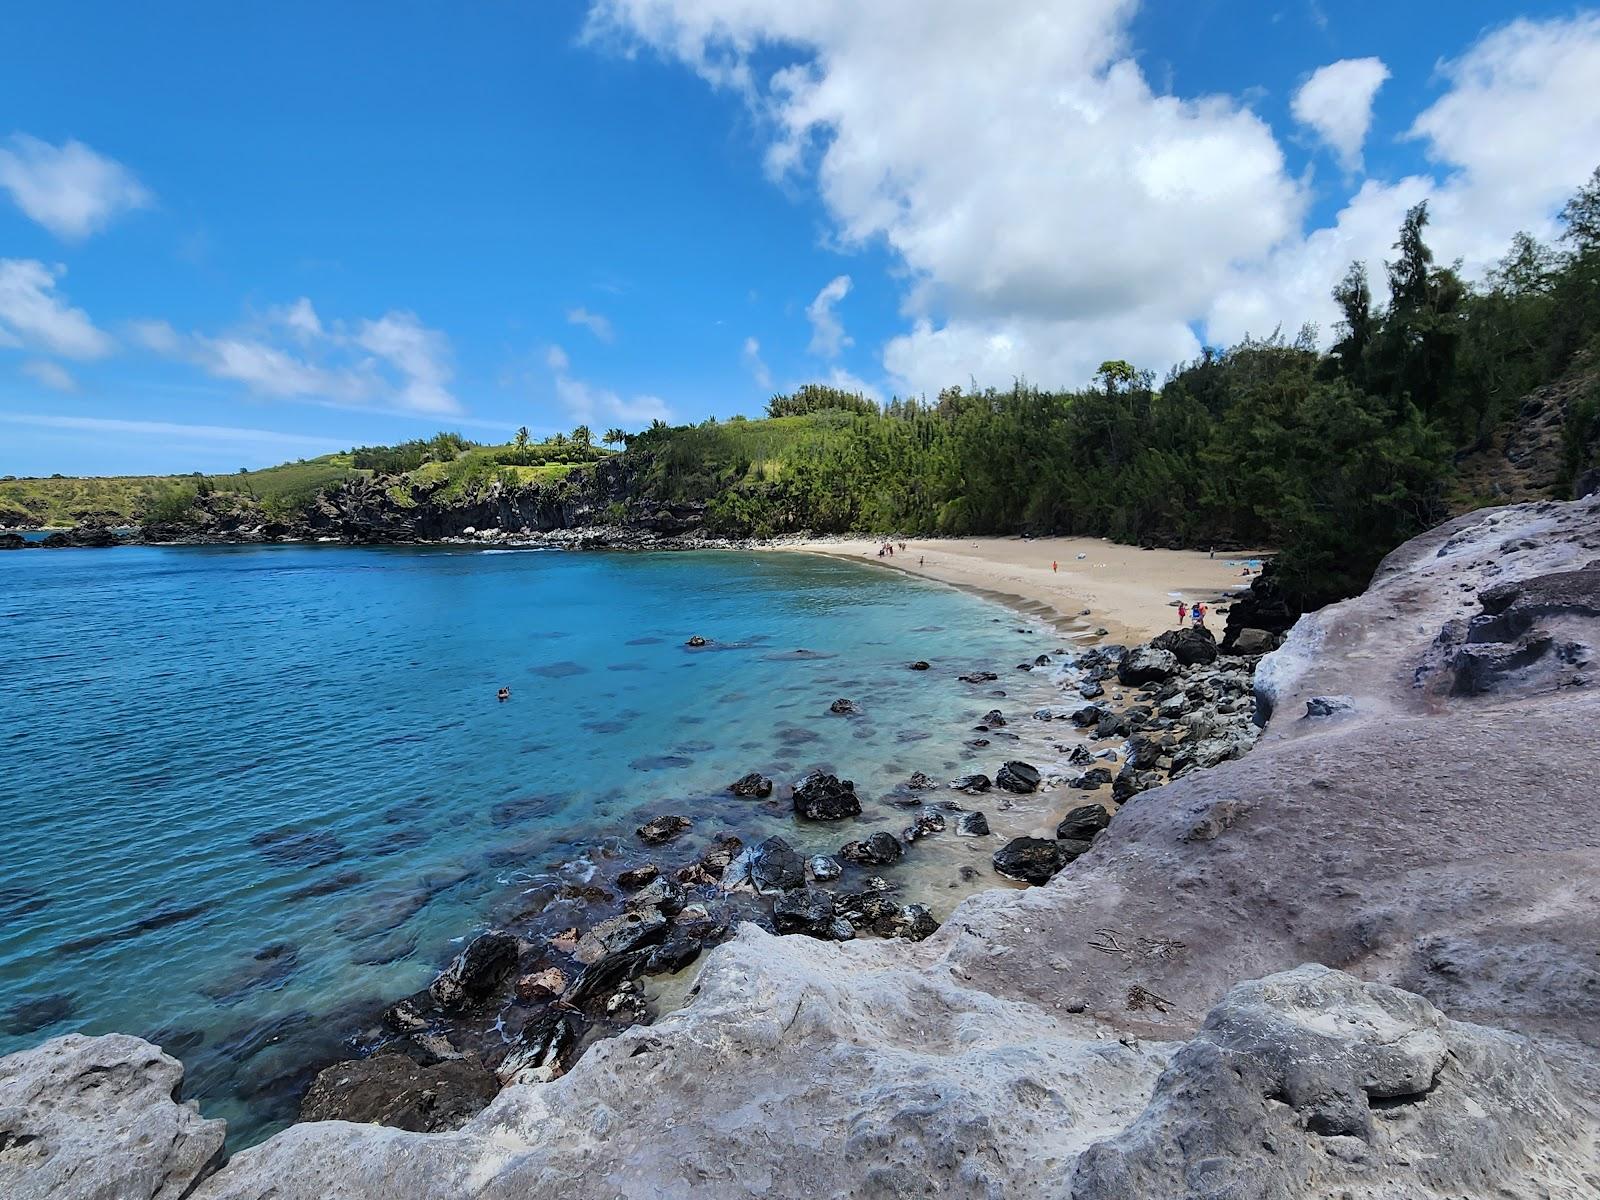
(1418, 816)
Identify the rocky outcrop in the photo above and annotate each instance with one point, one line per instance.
(391, 1089)
(99, 1118)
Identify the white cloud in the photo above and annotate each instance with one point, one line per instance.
(33, 313)
(1336, 102)
(1515, 134)
(593, 322)
(1062, 211)
(52, 375)
(69, 189)
(828, 337)
(393, 361)
(591, 405)
(845, 381)
(758, 368)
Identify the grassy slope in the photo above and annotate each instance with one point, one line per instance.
(62, 501)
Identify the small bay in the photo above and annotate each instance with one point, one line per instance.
(251, 792)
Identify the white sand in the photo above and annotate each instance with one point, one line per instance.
(1128, 591)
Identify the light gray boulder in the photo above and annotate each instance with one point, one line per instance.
(96, 1118)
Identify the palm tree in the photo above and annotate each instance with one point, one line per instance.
(522, 439)
(615, 437)
(583, 437)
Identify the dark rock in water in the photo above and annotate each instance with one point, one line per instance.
(776, 866)
(754, 784)
(972, 784)
(674, 954)
(823, 867)
(1044, 714)
(13, 541)
(1192, 645)
(617, 935)
(546, 1046)
(1080, 756)
(661, 762)
(913, 922)
(972, 824)
(1091, 689)
(1082, 823)
(488, 959)
(920, 665)
(1042, 660)
(1089, 714)
(978, 743)
(920, 782)
(805, 910)
(289, 847)
(927, 822)
(637, 877)
(994, 719)
(843, 708)
(877, 850)
(1329, 706)
(269, 967)
(1089, 780)
(696, 641)
(1016, 776)
(978, 677)
(824, 797)
(34, 1013)
(391, 1089)
(1144, 664)
(1035, 860)
(524, 808)
(664, 894)
(662, 829)
(714, 863)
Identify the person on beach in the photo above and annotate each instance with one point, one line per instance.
(1054, 566)
(1199, 615)
(921, 560)
(1183, 612)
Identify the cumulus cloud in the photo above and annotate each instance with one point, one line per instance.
(590, 404)
(1062, 211)
(70, 189)
(828, 338)
(393, 361)
(594, 322)
(1336, 103)
(758, 368)
(34, 315)
(51, 375)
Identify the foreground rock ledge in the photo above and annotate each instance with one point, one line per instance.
(1086, 1038)
(1306, 1083)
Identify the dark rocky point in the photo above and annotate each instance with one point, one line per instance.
(662, 829)
(824, 797)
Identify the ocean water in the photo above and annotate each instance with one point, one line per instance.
(249, 793)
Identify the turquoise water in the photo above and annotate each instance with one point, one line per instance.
(250, 792)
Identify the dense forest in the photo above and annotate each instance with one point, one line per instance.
(1333, 458)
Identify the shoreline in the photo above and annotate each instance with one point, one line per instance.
(1123, 589)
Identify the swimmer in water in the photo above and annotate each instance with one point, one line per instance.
(503, 694)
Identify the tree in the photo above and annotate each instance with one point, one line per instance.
(582, 437)
(615, 437)
(1116, 373)
(1353, 295)
(522, 439)
(1581, 216)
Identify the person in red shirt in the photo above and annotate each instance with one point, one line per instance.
(1183, 612)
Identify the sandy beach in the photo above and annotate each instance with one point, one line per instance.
(1128, 591)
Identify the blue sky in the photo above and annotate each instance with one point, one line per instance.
(235, 234)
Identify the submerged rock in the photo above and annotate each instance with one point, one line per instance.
(662, 829)
(927, 822)
(920, 782)
(754, 784)
(821, 796)
(972, 784)
(972, 824)
(823, 867)
(844, 708)
(877, 850)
